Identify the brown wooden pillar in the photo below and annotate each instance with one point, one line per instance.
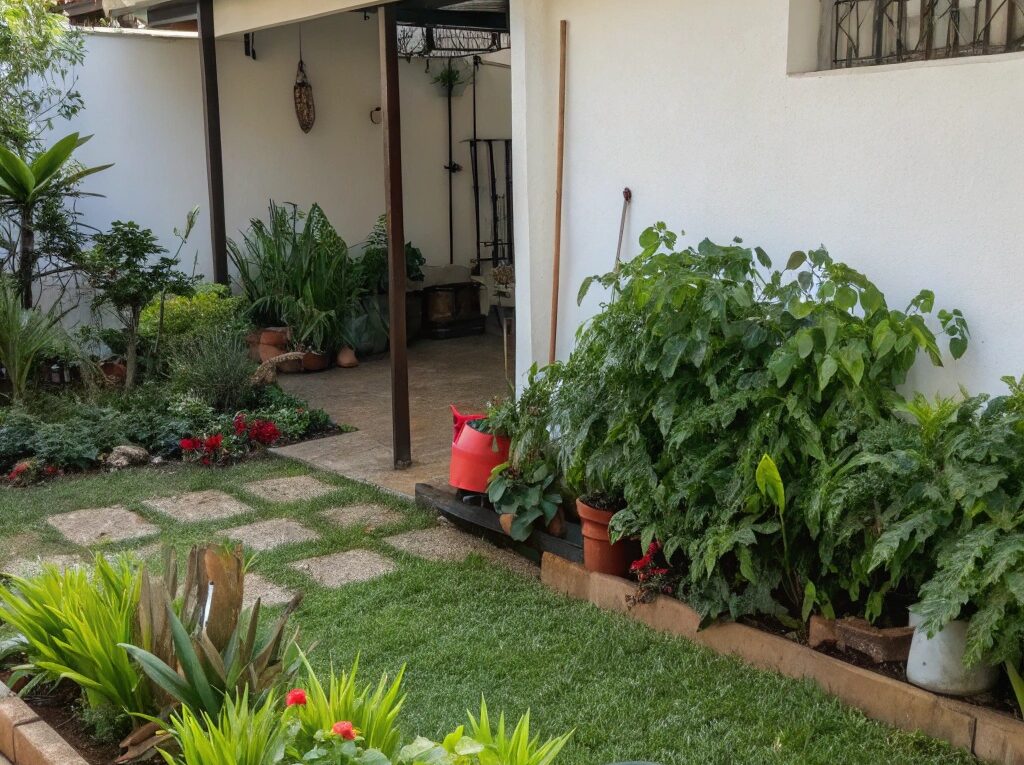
(392, 120)
(214, 156)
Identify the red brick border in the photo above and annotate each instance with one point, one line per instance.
(27, 740)
(991, 736)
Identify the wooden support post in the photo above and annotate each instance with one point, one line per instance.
(556, 270)
(391, 109)
(214, 155)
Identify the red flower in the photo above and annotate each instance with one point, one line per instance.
(213, 443)
(295, 697)
(240, 424)
(345, 729)
(264, 432)
(206, 461)
(189, 444)
(643, 563)
(51, 470)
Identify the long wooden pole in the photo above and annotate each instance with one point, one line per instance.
(391, 106)
(214, 156)
(559, 176)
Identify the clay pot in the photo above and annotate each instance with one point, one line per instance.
(474, 454)
(279, 336)
(114, 371)
(265, 344)
(599, 554)
(262, 353)
(347, 358)
(506, 519)
(556, 527)
(315, 362)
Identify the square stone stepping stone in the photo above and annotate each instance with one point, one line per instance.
(439, 543)
(291, 489)
(102, 525)
(198, 506)
(343, 568)
(368, 516)
(29, 567)
(269, 593)
(266, 535)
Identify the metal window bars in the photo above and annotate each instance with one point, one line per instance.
(868, 32)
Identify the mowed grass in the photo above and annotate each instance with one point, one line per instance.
(474, 629)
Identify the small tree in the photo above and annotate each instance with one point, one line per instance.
(119, 267)
(25, 184)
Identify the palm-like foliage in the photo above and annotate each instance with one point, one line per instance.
(25, 334)
(517, 747)
(299, 276)
(26, 182)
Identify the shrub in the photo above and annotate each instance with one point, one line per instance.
(698, 366)
(72, 622)
(210, 308)
(215, 368)
(26, 334)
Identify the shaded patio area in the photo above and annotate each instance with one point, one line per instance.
(466, 372)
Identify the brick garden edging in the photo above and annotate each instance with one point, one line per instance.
(990, 736)
(27, 740)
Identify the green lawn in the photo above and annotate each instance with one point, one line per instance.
(474, 628)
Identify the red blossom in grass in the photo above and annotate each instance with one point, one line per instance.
(189, 444)
(295, 697)
(345, 729)
(213, 443)
(18, 471)
(264, 432)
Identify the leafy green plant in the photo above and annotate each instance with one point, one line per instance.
(704, 359)
(120, 267)
(72, 622)
(215, 367)
(299, 277)
(528, 493)
(373, 710)
(372, 265)
(239, 733)
(515, 748)
(25, 182)
(26, 334)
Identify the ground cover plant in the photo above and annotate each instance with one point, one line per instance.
(656, 698)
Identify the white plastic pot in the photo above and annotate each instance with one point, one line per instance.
(937, 663)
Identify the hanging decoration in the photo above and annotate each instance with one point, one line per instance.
(305, 109)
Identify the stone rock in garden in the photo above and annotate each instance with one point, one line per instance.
(127, 455)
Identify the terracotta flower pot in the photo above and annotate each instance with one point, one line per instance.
(599, 554)
(279, 336)
(114, 371)
(315, 362)
(347, 358)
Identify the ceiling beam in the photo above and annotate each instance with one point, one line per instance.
(489, 21)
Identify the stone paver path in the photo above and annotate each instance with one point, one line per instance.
(198, 506)
(266, 535)
(448, 544)
(270, 593)
(102, 525)
(343, 568)
(367, 516)
(29, 567)
(300, 487)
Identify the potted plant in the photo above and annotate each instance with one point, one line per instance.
(476, 451)
(450, 81)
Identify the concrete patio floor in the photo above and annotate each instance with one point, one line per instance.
(466, 372)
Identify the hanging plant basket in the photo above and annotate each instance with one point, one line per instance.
(305, 109)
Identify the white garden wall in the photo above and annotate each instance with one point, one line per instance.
(144, 105)
(910, 173)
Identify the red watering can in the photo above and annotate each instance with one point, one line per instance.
(474, 454)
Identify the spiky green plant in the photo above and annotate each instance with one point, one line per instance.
(25, 335)
(517, 747)
(239, 734)
(72, 622)
(372, 710)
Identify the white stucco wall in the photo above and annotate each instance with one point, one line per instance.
(910, 173)
(144, 105)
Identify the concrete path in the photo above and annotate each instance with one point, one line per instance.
(466, 372)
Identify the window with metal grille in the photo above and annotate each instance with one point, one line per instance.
(865, 32)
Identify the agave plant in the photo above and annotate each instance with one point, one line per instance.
(517, 747)
(25, 182)
(25, 335)
(198, 649)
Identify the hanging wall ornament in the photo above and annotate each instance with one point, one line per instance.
(305, 110)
